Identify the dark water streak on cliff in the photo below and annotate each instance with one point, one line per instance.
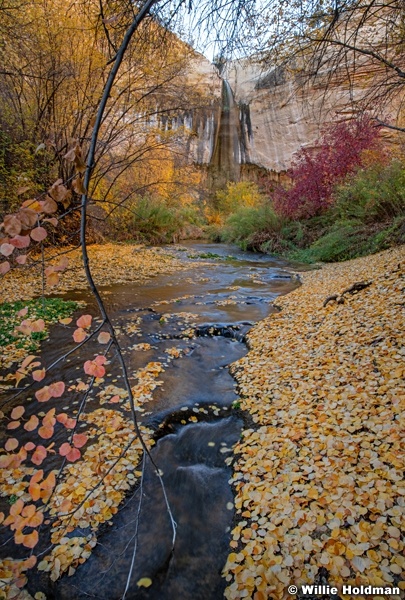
(226, 157)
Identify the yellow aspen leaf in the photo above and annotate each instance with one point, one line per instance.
(144, 582)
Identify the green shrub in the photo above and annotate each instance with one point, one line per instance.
(150, 220)
(248, 223)
(372, 195)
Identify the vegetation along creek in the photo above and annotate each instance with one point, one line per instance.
(179, 334)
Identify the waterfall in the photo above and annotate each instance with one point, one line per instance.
(226, 156)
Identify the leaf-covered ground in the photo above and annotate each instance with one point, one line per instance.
(319, 478)
(110, 263)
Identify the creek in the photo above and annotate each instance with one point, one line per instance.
(205, 313)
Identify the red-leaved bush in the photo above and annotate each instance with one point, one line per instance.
(314, 174)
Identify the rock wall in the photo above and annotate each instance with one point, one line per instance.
(278, 116)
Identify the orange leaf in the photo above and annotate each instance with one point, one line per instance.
(79, 335)
(39, 374)
(39, 455)
(37, 475)
(38, 325)
(11, 444)
(30, 562)
(52, 279)
(29, 540)
(29, 446)
(32, 423)
(68, 422)
(16, 508)
(49, 418)
(13, 425)
(43, 395)
(66, 321)
(114, 399)
(46, 432)
(84, 321)
(17, 412)
(6, 460)
(28, 359)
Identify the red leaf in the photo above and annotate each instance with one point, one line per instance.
(84, 321)
(29, 446)
(38, 325)
(49, 205)
(13, 425)
(65, 449)
(94, 369)
(22, 313)
(4, 267)
(28, 216)
(38, 234)
(53, 221)
(73, 455)
(6, 249)
(68, 422)
(79, 439)
(20, 241)
(104, 337)
(100, 359)
(56, 389)
(79, 335)
(12, 225)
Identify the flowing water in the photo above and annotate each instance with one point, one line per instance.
(194, 421)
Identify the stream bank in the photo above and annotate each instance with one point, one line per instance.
(319, 477)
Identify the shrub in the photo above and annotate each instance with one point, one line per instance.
(150, 220)
(373, 194)
(249, 227)
(315, 174)
(238, 195)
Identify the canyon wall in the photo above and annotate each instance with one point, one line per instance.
(279, 114)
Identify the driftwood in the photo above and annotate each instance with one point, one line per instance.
(339, 298)
(357, 287)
